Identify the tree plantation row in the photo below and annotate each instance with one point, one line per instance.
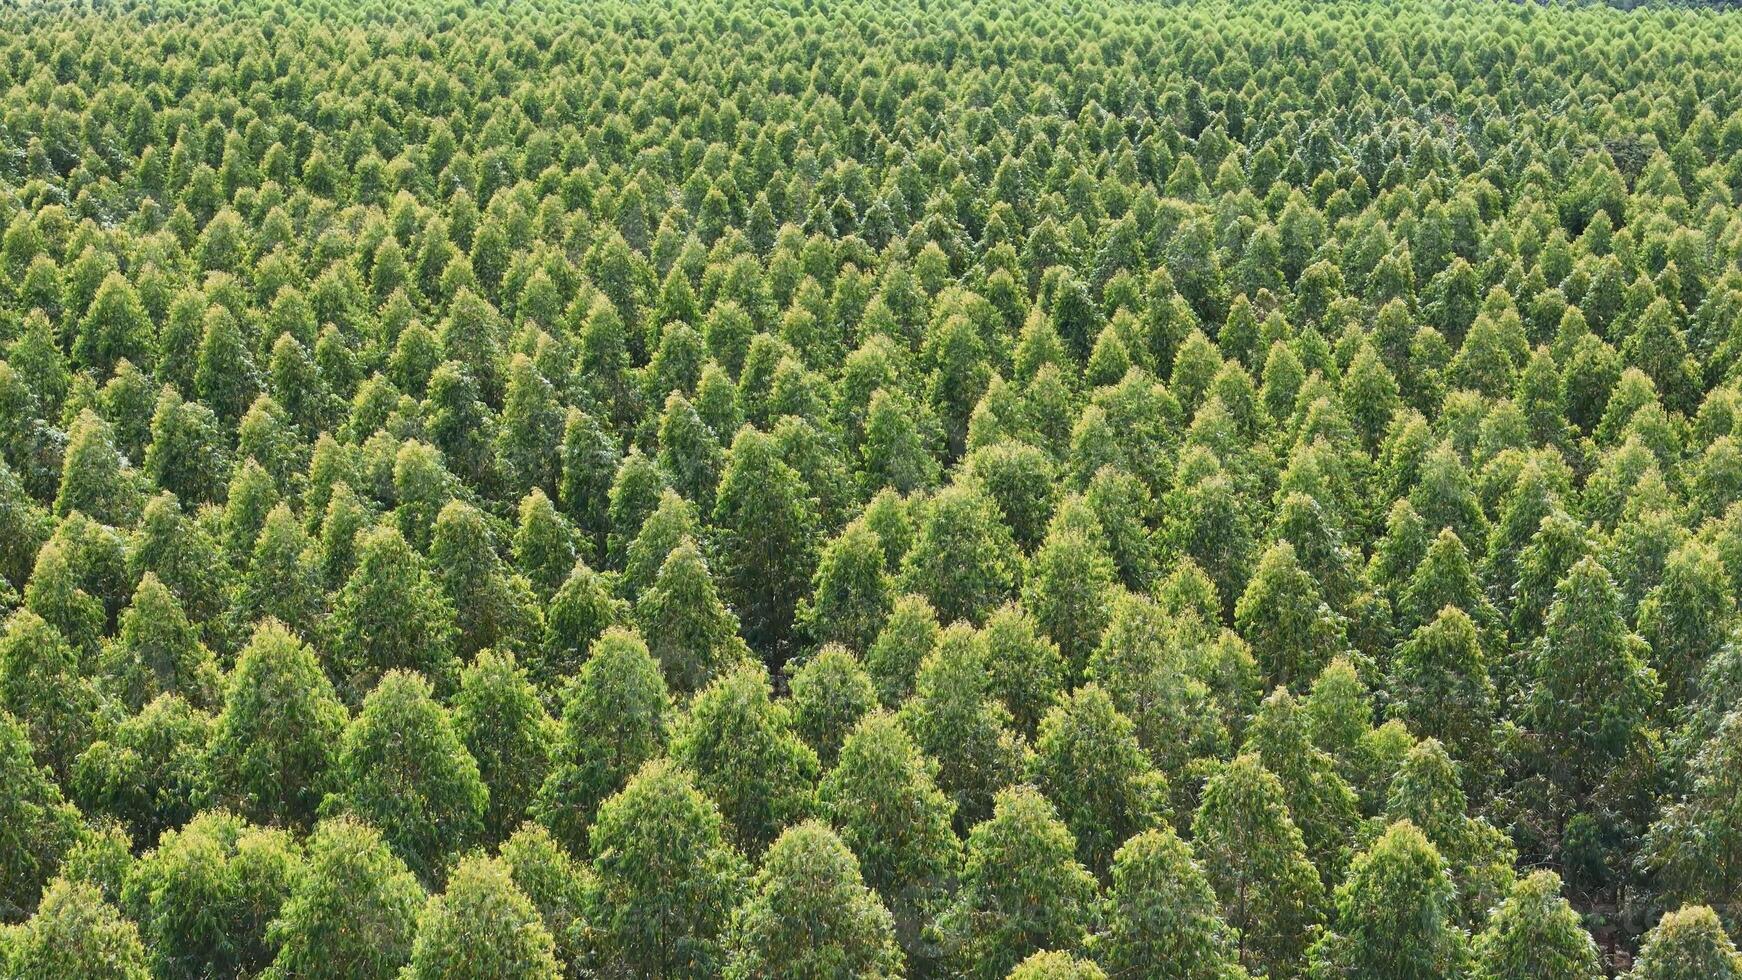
(581, 488)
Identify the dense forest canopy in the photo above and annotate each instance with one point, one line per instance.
(585, 488)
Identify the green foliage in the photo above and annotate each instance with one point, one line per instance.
(1693, 846)
(1426, 792)
(852, 592)
(74, 933)
(150, 772)
(1051, 965)
(282, 580)
(1028, 672)
(557, 886)
(529, 431)
(883, 799)
(1022, 889)
(672, 521)
(1535, 933)
(103, 858)
(1392, 915)
(95, 480)
(745, 755)
(810, 915)
(1256, 862)
(613, 721)
(963, 559)
(38, 827)
(1088, 763)
(158, 651)
(667, 880)
(502, 724)
(830, 693)
(1162, 918)
(389, 615)
(1687, 943)
(1686, 616)
(1114, 365)
(275, 742)
(1293, 633)
(768, 540)
(896, 451)
(1318, 800)
(956, 720)
(403, 769)
(545, 548)
(482, 926)
(24, 526)
(582, 609)
(354, 910)
(1339, 720)
(1590, 692)
(1144, 668)
(205, 895)
(688, 629)
(492, 608)
(40, 684)
(1440, 687)
(908, 637)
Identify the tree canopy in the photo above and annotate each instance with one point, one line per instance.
(586, 488)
